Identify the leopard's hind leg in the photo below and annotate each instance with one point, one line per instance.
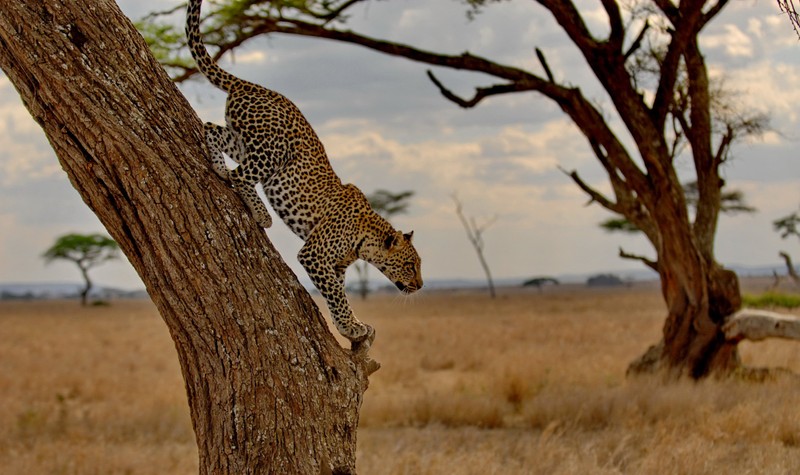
(221, 140)
(225, 140)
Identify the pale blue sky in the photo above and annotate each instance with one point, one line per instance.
(385, 126)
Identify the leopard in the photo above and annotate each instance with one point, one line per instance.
(272, 144)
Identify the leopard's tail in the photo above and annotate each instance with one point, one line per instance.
(218, 77)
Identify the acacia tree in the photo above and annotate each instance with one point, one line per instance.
(86, 251)
(789, 225)
(649, 62)
(269, 388)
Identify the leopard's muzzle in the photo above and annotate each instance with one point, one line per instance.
(408, 288)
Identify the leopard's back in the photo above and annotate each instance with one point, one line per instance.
(294, 168)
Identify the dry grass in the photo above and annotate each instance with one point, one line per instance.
(528, 383)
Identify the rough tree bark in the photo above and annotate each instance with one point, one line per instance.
(269, 388)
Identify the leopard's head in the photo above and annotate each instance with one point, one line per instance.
(399, 262)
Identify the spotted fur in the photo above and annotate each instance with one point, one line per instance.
(273, 144)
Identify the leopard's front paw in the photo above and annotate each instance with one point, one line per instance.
(362, 337)
(361, 348)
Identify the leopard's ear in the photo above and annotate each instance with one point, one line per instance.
(390, 240)
(408, 236)
(393, 240)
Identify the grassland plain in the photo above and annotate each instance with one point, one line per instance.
(528, 383)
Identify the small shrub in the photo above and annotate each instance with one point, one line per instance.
(772, 299)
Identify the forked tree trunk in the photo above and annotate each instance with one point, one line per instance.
(697, 346)
(269, 388)
(700, 296)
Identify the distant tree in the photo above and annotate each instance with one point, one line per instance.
(540, 282)
(386, 204)
(788, 226)
(475, 235)
(604, 280)
(86, 251)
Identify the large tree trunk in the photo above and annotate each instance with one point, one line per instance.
(700, 296)
(269, 388)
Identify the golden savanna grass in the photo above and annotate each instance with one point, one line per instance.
(528, 383)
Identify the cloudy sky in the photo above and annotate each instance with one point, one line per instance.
(385, 126)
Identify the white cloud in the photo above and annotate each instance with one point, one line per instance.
(23, 154)
(771, 86)
(772, 200)
(731, 39)
(779, 32)
(250, 57)
(755, 27)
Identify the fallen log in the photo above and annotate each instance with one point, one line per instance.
(756, 325)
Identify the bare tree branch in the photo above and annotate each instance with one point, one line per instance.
(545, 66)
(787, 7)
(684, 29)
(637, 43)
(480, 92)
(335, 13)
(568, 16)
(475, 236)
(617, 34)
(648, 262)
(713, 11)
(594, 195)
(169, 11)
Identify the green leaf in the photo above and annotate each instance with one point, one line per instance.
(619, 225)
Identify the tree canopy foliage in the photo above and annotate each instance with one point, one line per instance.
(788, 225)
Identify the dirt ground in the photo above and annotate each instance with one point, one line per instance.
(528, 383)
